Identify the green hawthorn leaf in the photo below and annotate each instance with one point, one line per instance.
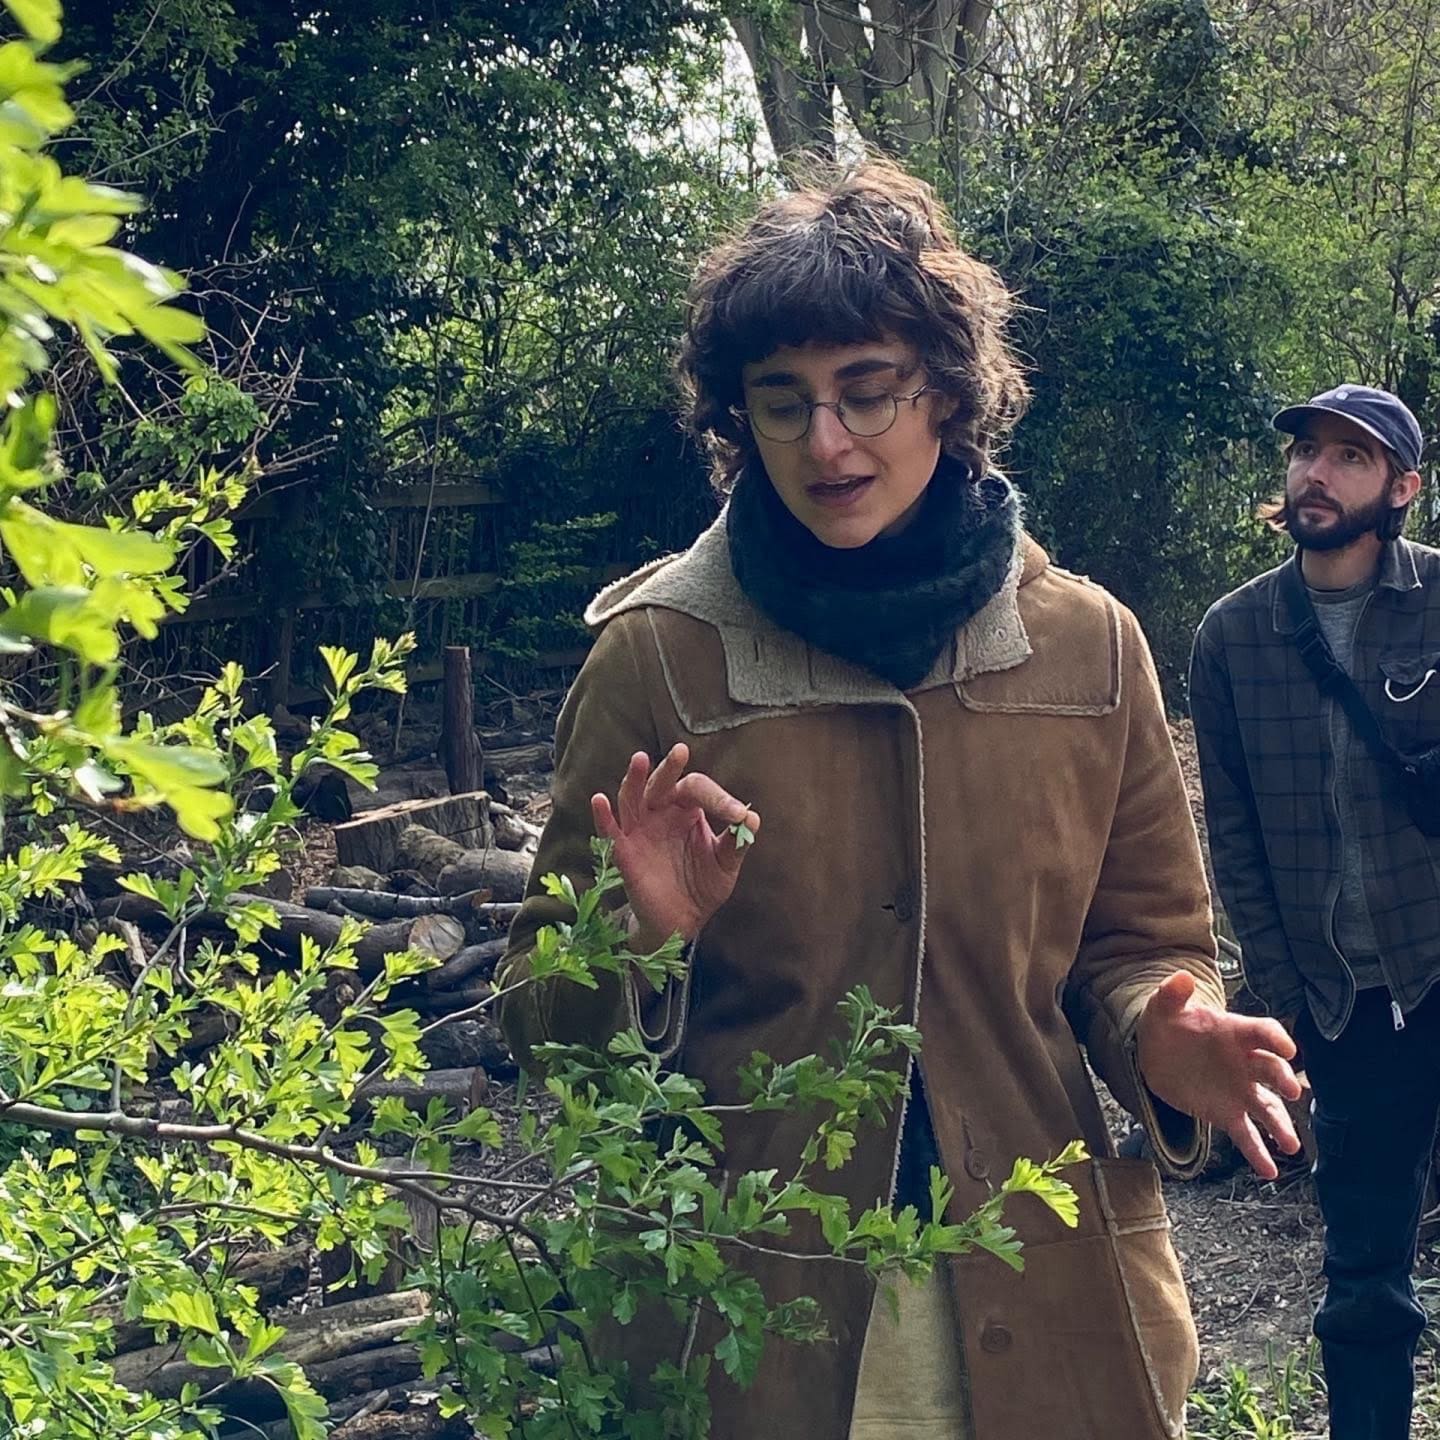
(340, 662)
(479, 1125)
(40, 19)
(190, 1309)
(66, 616)
(119, 552)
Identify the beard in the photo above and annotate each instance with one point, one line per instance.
(1347, 526)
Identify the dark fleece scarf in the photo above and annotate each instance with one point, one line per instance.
(892, 605)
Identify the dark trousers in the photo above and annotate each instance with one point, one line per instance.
(1377, 1095)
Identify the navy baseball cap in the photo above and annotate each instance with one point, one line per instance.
(1381, 414)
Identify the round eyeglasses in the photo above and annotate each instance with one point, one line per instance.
(786, 417)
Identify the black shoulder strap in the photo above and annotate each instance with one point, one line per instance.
(1329, 675)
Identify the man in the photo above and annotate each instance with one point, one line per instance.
(1333, 890)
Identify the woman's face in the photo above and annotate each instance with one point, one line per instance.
(844, 488)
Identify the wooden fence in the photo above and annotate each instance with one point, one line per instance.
(441, 563)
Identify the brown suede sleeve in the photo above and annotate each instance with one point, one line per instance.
(1150, 914)
(606, 718)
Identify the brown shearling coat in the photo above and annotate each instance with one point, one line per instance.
(1006, 856)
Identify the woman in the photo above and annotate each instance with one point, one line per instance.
(971, 805)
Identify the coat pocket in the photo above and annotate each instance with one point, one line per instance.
(1410, 709)
(1094, 1338)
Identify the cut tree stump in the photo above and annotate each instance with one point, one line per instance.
(373, 838)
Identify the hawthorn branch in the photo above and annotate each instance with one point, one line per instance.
(420, 1183)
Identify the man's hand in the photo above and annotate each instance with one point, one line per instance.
(1231, 1070)
(678, 870)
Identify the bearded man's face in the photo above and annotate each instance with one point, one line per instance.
(1337, 484)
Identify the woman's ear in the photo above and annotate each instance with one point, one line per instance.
(942, 407)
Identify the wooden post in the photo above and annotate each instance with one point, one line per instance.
(284, 646)
(459, 744)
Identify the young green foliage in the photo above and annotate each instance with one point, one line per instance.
(137, 1166)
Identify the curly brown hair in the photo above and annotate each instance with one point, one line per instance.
(852, 255)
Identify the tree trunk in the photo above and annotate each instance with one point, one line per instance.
(896, 68)
(792, 94)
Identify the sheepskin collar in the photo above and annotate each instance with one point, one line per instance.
(768, 666)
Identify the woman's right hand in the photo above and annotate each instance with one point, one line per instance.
(678, 869)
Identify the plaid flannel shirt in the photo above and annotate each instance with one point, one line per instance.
(1262, 729)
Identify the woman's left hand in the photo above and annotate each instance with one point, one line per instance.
(1231, 1070)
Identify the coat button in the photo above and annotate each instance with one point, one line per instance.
(977, 1165)
(904, 907)
(995, 1339)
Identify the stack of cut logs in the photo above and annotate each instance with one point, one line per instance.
(443, 876)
